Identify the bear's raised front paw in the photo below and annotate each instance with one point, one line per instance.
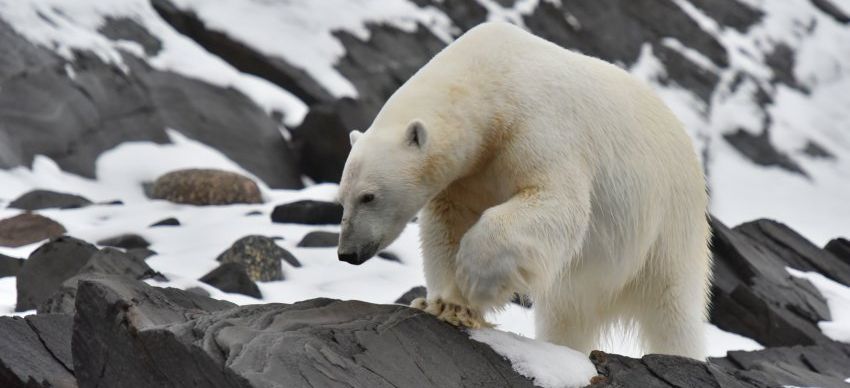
(452, 313)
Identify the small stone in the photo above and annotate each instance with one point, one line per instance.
(231, 277)
(126, 241)
(319, 239)
(410, 295)
(46, 199)
(389, 256)
(261, 257)
(27, 228)
(308, 212)
(171, 221)
(206, 187)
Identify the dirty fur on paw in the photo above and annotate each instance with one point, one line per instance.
(454, 314)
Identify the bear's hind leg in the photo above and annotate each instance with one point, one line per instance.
(567, 328)
(672, 319)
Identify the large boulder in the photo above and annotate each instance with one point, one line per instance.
(27, 228)
(128, 334)
(206, 187)
(45, 199)
(47, 267)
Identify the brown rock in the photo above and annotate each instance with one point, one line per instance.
(27, 228)
(206, 187)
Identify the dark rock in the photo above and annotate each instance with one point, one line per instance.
(761, 151)
(47, 267)
(55, 331)
(198, 291)
(308, 212)
(815, 150)
(840, 248)
(244, 58)
(322, 139)
(108, 261)
(31, 357)
(261, 257)
(43, 111)
(254, 213)
(129, 30)
(464, 14)
(835, 12)
(822, 366)
(754, 296)
(732, 13)
(141, 253)
(782, 62)
(45, 199)
(319, 239)
(10, 266)
(171, 221)
(231, 277)
(126, 241)
(389, 256)
(206, 187)
(408, 297)
(319, 342)
(27, 228)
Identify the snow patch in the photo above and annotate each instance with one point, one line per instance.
(837, 298)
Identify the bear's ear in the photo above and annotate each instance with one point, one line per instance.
(354, 135)
(416, 134)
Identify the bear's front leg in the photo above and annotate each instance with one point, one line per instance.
(521, 245)
(442, 224)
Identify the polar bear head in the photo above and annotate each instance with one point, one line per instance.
(381, 187)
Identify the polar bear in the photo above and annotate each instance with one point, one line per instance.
(540, 171)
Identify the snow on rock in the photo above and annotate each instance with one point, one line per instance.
(548, 364)
(837, 297)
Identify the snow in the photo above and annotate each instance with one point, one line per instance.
(548, 364)
(837, 298)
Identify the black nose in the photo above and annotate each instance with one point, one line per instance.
(349, 257)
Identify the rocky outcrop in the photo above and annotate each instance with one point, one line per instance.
(36, 352)
(129, 334)
(45, 199)
(206, 187)
(27, 228)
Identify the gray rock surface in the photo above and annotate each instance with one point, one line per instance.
(33, 352)
(308, 212)
(48, 267)
(126, 241)
(27, 228)
(231, 277)
(10, 266)
(350, 343)
(45, 199)
(319, 239)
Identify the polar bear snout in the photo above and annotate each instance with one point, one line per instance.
(357, 255)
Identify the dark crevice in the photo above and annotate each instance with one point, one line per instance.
(47, 348)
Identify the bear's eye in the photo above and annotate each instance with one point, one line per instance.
(366, 198)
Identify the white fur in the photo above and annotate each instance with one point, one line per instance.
(544, 172)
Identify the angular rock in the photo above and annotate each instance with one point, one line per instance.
(408, 297)
(27, 228)
(55, 331)
(198, 291)
(761, 151)
(206, 187)
(48, 267)
(45, 199)
(319, 342)
(319, 239)
(141, 253)
(107, 261)
(754, 296)
(308, 212)
(126, 241)
(261, 257)
(170, 221)
(10, 266)
(231, 277)
(31, 357)
(840, 247)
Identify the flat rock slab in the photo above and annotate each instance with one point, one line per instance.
(27, 228)
(35, 352)
(129, 334)
(46, 199)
